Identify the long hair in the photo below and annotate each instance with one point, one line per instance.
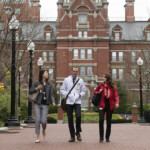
(109, 80)
(41, 76)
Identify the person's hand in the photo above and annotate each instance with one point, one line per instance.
(54, 104)
(100, 90)
(39, 87)
(116, 105)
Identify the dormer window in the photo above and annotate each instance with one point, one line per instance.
(48, 33)
(147, 33)
(48, 36)
(148, 36)
(117, 36)
(117, 33)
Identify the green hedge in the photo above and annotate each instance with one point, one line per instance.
(121, 121)
(51, 120)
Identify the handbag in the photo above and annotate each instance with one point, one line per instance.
(33, 97)
(63, 101)
(96, 99)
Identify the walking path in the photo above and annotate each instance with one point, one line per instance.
(123, 137)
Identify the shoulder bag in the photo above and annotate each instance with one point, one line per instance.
(33, 97)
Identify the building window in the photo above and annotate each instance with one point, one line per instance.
(48, 36)
(80, 34)
(148, 36)
(133, 56)
(44, 56)
(146, 55)
(117, 36)
(17, 11)
(51, 56)
(85, 34)
(76, 54)
(114, 73)
(98, 1)
(82, 53)
(82, 18)
(17, 36)
(66, 1)
(89, 71)
(120, 74)
(120, 56)
(114, 56)
(51, 74)
(89, 54)
(82, 71)
(133, 72)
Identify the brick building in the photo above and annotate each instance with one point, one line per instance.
(82, 35)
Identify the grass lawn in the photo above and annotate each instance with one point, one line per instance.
(86, 117)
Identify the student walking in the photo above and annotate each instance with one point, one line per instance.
(109, 100)
(73, 102)
(42, 103)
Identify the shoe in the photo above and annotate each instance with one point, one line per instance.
(37, 141)
(78, 137)
(72, 140)
(107, 140)
(101, 140)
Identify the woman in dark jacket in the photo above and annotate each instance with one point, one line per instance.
(109, 100)
(42, 103)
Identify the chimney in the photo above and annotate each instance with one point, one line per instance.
(105, 8)
(59, 8)
(35, 10)
(129, 11)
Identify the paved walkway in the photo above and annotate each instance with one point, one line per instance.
(123, 137)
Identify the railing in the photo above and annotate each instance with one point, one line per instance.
(123, 18)
(48, 18)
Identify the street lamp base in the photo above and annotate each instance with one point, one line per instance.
(29, 120)
(12, 122)
(141, 120)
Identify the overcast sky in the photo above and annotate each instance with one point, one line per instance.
(116, 8)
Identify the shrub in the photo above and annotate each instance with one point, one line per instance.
(52, 109)
(121, 121)
(4, 114)
(51, 120)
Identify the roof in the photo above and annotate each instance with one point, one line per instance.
(130, 31)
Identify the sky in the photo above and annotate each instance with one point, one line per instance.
(115, 9)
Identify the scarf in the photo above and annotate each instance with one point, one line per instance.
(107, 90)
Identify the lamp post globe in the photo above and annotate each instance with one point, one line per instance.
(140, 64)
(30, 47)
(40, 62)
(13, 25)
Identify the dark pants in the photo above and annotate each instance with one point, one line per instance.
(77, 108)
(108, 118)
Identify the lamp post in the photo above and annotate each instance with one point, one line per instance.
(30, 47)
(140, 64)
(13, 25)
(40, 63)
(20, 69)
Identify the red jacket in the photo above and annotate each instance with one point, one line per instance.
(113, 99)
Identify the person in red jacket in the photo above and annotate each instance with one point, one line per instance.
(109, 100)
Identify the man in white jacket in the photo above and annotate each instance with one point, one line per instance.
(73, 102)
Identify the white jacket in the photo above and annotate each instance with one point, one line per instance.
(74, 97)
